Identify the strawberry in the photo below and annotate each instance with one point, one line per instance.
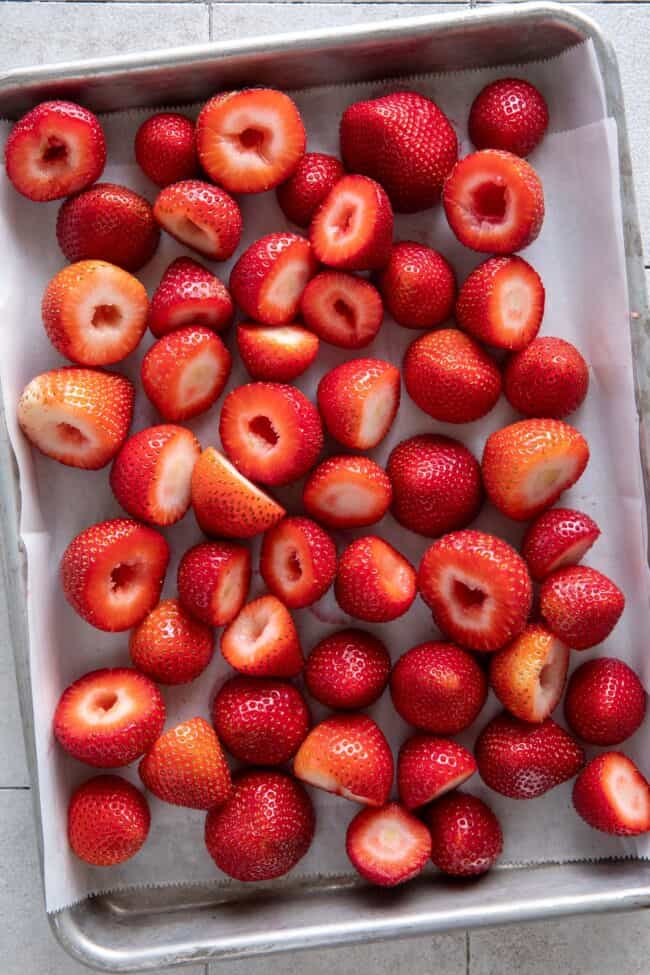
(347, 492)
(249, 141)
(478, 588)
(200, 216)
(108, 223)
(374, 582)
(436, 484)
(438, 687)
(170, 646)
(502, 303)
(358, 401)
(557, 538)
(186, 767)
(387, 846)
(605, 701)
(352, 229)
(276, 353)
(348, 670)
(526, 466)
(112, 573)
(494, 202)
(348, 755)
(213, 581)
(580, 605)
(508, 114)
(301, 195)
(342, 309)
(418, 286)
(189, 294)
(260, 721)
(523, 761)
(108, 821)
(108, 718)
(269, 278)
(184, 373)
(271, 431)
(264, 829)
(152, 473)
(404, 141)
(529, 674)
(428, 767)
(548, 378)
(80, 417)
(466, 838)
(56, 149)
(94, 313)
(262, 640)
(165, 148)
(298, 561)
(612, 795)
(226, 503)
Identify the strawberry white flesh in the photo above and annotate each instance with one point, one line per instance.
(388, 846)
(231, 590)
(629, 798)
(283, 288)
(514, 303)
(551, 680)
(171, 488)
(199, 378)
(377, 413)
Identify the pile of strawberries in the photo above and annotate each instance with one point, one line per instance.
(399, 154)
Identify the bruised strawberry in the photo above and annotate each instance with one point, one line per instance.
(170, 646)
(387, 846)
(352, 230)
(108, 821)
(509, 114)
(189, 294)
(213, 581)
(298, 561)
(228, 504)
(201, 216)
(418, 286)
(557, 538)
(612, 795)
(428, 767)
(186, 767)
(358, 401)
(261, 721)
(502, 303)
(466, 838)
(165, 149)
(347, 491)
(262, 640)
(276, 353)
(605, 701)
(301, 195)
(529, 674)
(342, 309)
(348, 670)
(374, 581)
(184, 373)
(268, 280)
(581, 605)
(548, 378)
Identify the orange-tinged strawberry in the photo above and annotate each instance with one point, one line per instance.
(352, 230)
(348, 670)
(387, 846)
(580, 605)
(276, 353)
(184, 373)
(298, 561)
(186, 767)
(201, 216)
(228, 504)
(509, 114)
(165, 148)
(605, 701)
(501, 303)
(374, 581)
(170, 646)
(612, 795)
(557, 538)
(347, 491)
(262, 640)
(108, 821)
(342, 309)
(269, 278)
(547, 378)
(358, 401)
(466, 838)
(418, 286)
(301, 195)
(428, 767)
(529, 674)
(189, 294)
(213, 581)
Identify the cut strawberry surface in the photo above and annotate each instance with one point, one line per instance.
(529, 675)
(276, 353)
(374, 581)
(228, 504)
(429, 767)
(612, 795)
(388, 846)
(201, 216)
(358, 401)
(213, 581)
(502, 303)
(298, 561)
(269, 278)
(189, 294)
(347, 492)
(262, 640)
(342, 309)
(353, 228)
(185, 372)
(556, 539)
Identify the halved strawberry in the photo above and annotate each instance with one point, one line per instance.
(353, 228)
(427, 767)
(581, 605)
(348, 670)
(342, 309)
(184, 373)
(502, 303)
(547, 378)
(510, 114)
(529, 674)
(201, 216)
(387, 846)
(269, 278)
(347, 491)
(374, 581)
(466, 838)
(301, 195)
(358, 401)
(276, 353)
(418, 286)
(228, 504)
(165, 148)
(213, 581)
(262, 640)
(557, 538)
(189, 294)
(186, 767)
(170, 646)
(605, 702)
(108, 821)
(612, 795)
(298, 561)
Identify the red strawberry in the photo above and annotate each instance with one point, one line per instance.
(189, 294)
(438, 687)
(428, 767)
(353, 227)
(358, 401)
(152, 474)
(342, 309)
(526, 466)
(213, 581)
(184, 373)
(404, 141)
(226, 503)
(262, 640)
(347, 492)
(418, 286)
(348, 670)
(187, 767)
(374, 582)
(260, 721)
(508, 114)
(108, 821)
(249, 141)
(449, 376)
(264, 829)
(478, 588)
(56, 149)
(502, 303)
(269, 278)
(436, 484)
(305, 190)
(276, 353)
(108, 718)
(387, 846)
(112, 573)
(108, 223)
(165, 149)
(605, 701)
(548, 378)
(170, 646)
(271, 432)
(612, 795)
(201, 216)
(494, 202)
(80, 417)
(523, 761)
(347, 755)
(580, 605)
(529, 674)
(298, 561)
(466, 838)
(557, 538)
(94, 313)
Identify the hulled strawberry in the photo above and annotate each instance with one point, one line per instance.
(186, 767)
(342, 309)
(427, 767)
(502, 303)
(529, 674)
(268, 280)
(213, 581)
(301, 195)
(612, 795)
(605, 702)
(352, 230)
(358, 401)
(509, 114)
(228, 504)
(298, 561)
(184, 373)
(260, 721)
(347, 491)
(548, 378)
(374, 581)
(581, 605)
(466, 838)
(165, 148)
(108, 821)
(348, 670)
(170, 646)
(418, 286)
(201, 216)
(276, 353)
(189, 294)
(387, 846)
(557, 538)
(262, 640)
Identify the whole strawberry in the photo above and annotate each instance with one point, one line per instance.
(605, 701)
(260, 721)
(508, 114)
(186, 767)
(108, 821)
(466, 837)
(374, 581)
(170, 646)
(418, 286)
(301, 195)
(165, 149)
(581, 605)
(347, 670)
(547, 378)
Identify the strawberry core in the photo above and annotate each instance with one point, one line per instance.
(467, 597)
(123, 576)
(263, 430)
(55, 151)
(293, 566)
(251, 138)
(105, 700)
(345, 311)
(71, 435)
(489, 201)
(106, 316)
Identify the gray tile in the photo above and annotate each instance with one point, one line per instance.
(13, 767)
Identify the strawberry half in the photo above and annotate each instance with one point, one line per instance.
(228, 504)
(358, 401)
(348, 670)
(529, 674)
(298, 561)
(276, 353)
(186, 767)
(605, 702)
(269, 278)
(262, 640)
(165, 148)
(418, 286)
(201, 216)
(581, 605)
(184, 373)
(352, 230)
(509, 114)
(189, 294)
(108, 821)
(374, 581)
(612, 795)
(342, 309)
(557, 538)
(501, 303)
(347, 492)
(387, 846)
(428, 767)
(213, 581)
(301, 195)
(170, 646)
(466, 838)
(547, 378)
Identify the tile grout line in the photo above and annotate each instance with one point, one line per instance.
(468, 952)
(15, 788)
